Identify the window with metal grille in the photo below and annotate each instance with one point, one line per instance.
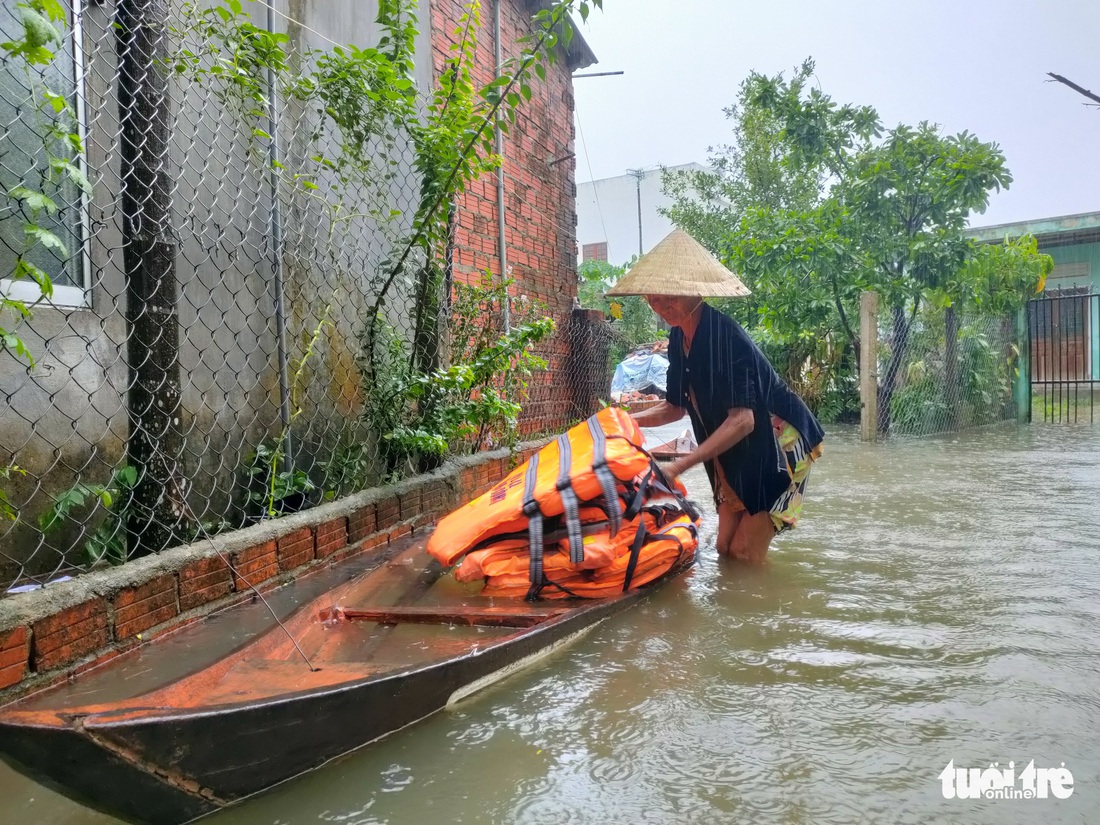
(1068, 276)
(24, 119)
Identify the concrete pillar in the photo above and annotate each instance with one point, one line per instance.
(868, 366)
(1023, 363)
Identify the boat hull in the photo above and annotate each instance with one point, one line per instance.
(175, 768)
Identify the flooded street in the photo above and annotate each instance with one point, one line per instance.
(941, 601)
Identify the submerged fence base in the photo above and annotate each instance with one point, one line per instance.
(1064, 353)
(933, 370)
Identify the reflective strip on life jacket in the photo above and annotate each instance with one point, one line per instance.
(604, 475)
(570, 505)
(534, 528)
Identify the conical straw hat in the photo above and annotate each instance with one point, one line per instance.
(680, 265)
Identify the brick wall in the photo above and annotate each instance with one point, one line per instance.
(540, 199)
(51, 633)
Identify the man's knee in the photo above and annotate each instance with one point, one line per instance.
(751, 541)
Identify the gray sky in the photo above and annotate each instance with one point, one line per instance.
(975, 65)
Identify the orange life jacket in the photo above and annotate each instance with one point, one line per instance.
(575, 493)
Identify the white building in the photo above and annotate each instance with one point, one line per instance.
(617, 218)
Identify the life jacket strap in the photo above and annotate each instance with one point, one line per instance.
(635, 552)
(604, 474)
(534, 529)
(570, 504)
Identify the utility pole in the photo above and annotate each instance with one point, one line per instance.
(638, 174)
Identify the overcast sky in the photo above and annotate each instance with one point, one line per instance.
(976, 65)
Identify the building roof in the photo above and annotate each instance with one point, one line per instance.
(578, 53)
(683, 167)
(1060, 231)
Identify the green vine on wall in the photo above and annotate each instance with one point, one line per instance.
(420, 401)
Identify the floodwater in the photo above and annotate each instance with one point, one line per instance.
(941, 601)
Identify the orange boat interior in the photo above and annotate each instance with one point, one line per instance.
(399, 616)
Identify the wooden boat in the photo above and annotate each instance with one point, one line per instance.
(387, 648)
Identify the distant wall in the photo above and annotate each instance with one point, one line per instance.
(608, 212)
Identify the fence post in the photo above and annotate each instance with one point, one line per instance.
(1023, 364)
(868, 365)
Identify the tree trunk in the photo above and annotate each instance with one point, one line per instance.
(155, 446)
(951, 390)
(897, 358)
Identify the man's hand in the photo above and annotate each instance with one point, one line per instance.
(674, 469)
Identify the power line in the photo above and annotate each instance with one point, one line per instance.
(592, 178)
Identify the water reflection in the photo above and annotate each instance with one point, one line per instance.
(941, 601)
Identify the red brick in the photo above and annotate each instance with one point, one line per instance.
(467, 482)
(400, 532)
(139, 608)
(295, 549)
(70, 635)
(331, 536)
(254, 565)
(374, 542)
(388, 512)
(362, 523)
(14, 657)
(204, 581)
(411, 504)
(436, 499)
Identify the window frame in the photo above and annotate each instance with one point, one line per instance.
(66, 296)
(596, 247)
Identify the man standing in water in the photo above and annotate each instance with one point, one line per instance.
(757, 438)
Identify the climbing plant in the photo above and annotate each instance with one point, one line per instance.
(363, 101)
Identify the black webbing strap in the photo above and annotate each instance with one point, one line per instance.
(635, 551)
(638, 501)
(534, 528)
(569, 501)
(604, 475)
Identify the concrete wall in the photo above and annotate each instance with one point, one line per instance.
(66, 418)
(607, 211)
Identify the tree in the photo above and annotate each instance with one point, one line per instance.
(761, 208)
(816, 202)
(631, 317)
(907, 201)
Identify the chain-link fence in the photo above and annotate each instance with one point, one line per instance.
(239, 327)
(941, 371)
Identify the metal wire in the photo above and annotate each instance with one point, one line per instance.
(944, 372)
(256, 263)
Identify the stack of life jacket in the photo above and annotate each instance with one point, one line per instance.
(588, 516)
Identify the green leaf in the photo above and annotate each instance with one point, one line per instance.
(37, 28)
(36, 234)
(58, 102)
(72, 172)
(26, 269)
(35, 201)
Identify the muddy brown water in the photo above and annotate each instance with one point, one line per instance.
(941, 601)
